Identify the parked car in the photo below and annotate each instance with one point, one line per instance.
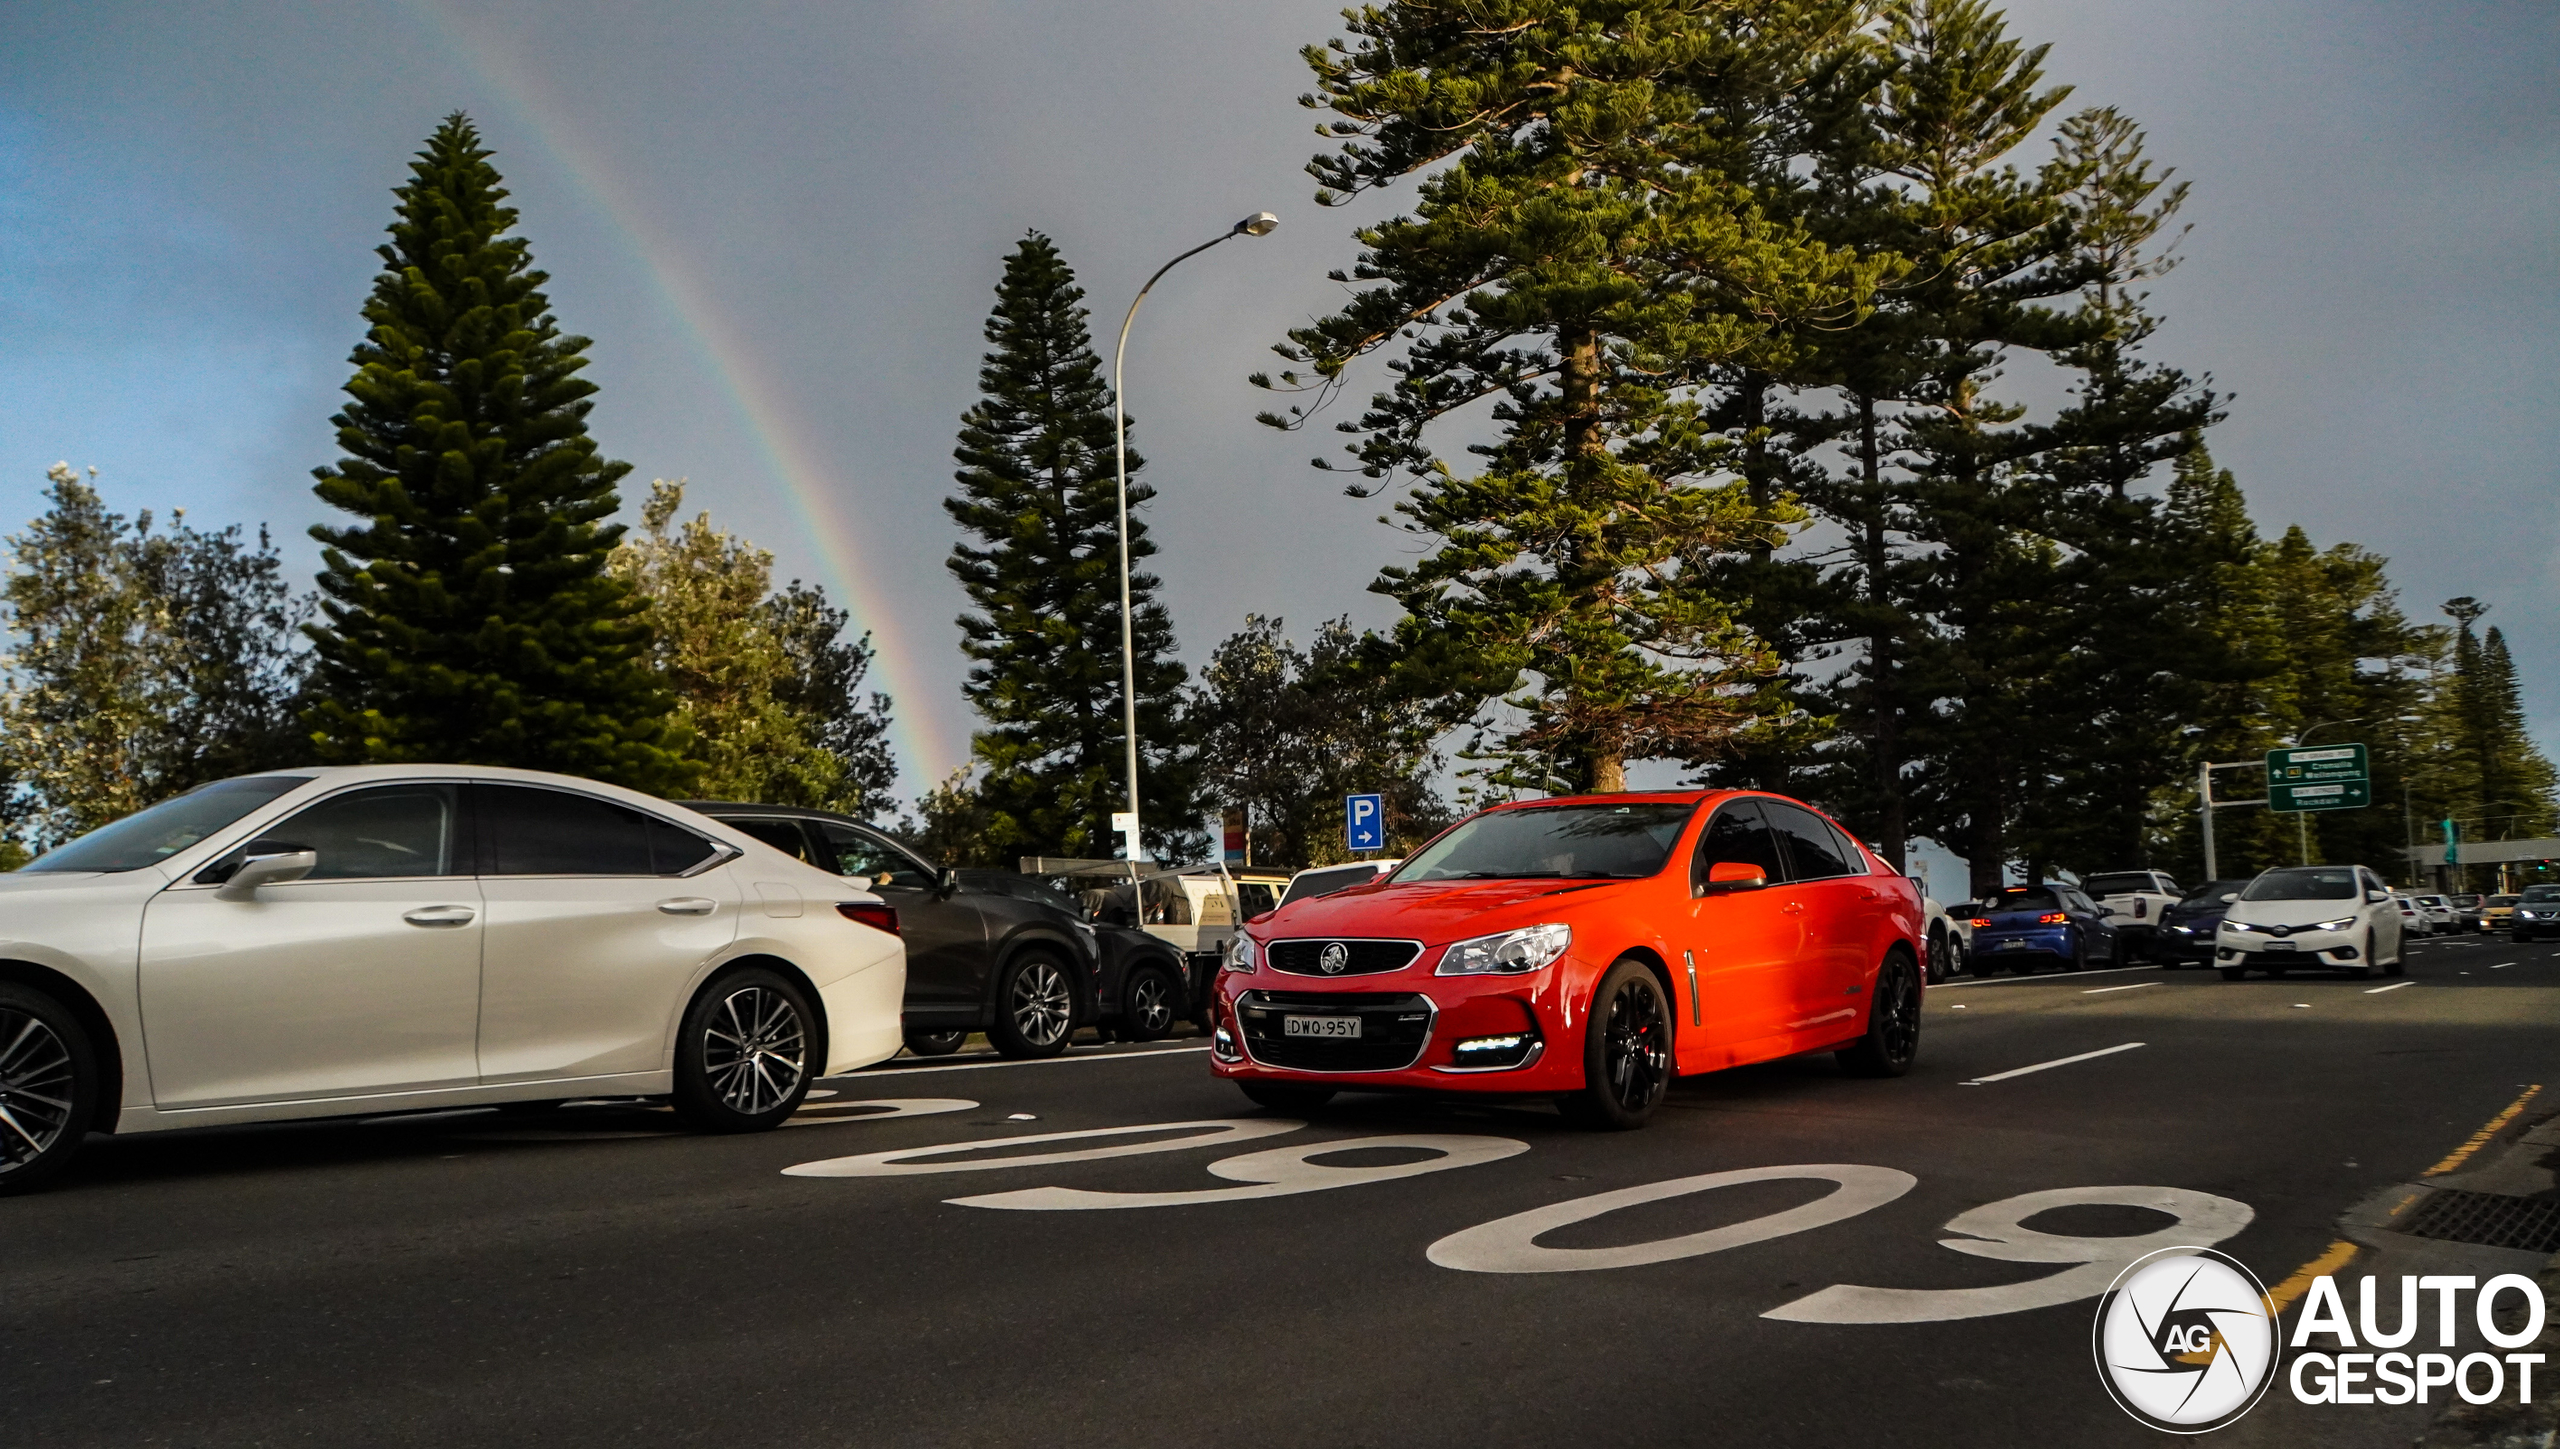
(370, 939)
(2340, 917)
(2030, 925)
(1584, 948)
(2497, 913)
(1017, 962)
(2440, 916)
(2187, 929)
(1324, 880)
(2133, 901)
(1947, 937)
(2537, 912)
(1194, 909)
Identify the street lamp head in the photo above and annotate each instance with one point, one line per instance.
(1261, 223)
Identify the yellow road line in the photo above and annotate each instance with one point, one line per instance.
(2481, 1138)
(2281, 1297)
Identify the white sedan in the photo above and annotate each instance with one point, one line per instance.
(2316, 917)
(367, 939)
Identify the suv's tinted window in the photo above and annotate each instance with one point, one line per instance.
(783, 835)
(879, 862)
(379, 834)
(525, 831)
(1809, 842)
(1737, 833)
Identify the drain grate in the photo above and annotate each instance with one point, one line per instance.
(2490, 1219)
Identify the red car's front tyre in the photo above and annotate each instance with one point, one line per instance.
(1626, 1052)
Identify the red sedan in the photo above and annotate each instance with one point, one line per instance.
(1588, 948)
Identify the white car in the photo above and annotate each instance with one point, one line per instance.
(1324, 880)
(384, 938)
(1950, 936)
(2132, 901)
(2439, 914)
(2413, 918)
(2319, 917)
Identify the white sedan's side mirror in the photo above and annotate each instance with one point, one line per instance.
(2377, 897)
(265, 870)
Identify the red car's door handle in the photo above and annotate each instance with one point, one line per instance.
(1793, 908)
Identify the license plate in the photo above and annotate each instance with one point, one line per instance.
(2280, 945)
(2011, 946)
(1320, 1026)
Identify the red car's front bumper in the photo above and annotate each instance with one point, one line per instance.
(1415, 1030)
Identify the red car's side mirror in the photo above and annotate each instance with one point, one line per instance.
(1726, 876)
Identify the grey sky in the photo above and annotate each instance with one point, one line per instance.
(780, 223)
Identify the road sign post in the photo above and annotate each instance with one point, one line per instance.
(1364, 822)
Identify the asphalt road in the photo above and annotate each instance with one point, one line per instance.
(595, 1278)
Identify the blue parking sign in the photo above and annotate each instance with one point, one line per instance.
(1364, 821)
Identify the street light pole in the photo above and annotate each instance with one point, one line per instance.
(1261, 223)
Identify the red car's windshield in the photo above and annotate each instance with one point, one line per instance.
(1598, 842)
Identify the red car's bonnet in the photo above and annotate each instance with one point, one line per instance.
(1433, 911)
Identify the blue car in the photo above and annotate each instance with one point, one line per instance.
(2185, 937)
(2039, 925)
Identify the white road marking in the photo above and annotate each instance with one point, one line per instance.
(2128, 986)
(1280, 1172)
(2048, 1066)
(1035, 1062)
(2042, 980)
(913, 1161)
(2394, 986)
(2202, 1220)
(1510, 1245)
(2506, 963)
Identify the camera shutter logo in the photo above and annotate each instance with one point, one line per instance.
(2184, 1340)
(1334, 957)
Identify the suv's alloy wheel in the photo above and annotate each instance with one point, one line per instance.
(1035, 1008)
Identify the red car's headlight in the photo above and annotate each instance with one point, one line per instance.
(1512, 953)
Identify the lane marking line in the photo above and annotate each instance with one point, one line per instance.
(2281, 1296)
(2052, 979)
(2128, 986)
(2394, 986)
(1036, 1062)
(2048, 1066)
(2503, 963)
(2481, 1138)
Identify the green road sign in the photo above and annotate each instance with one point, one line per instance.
(2323, 777)
(2331, 795)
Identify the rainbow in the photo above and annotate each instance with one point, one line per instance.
(815, 492)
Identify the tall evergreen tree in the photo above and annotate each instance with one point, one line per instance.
(469, 615)
(1586, 253)
(1038, 508)
(2506, 777)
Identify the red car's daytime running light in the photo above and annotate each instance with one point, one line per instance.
(870, 913)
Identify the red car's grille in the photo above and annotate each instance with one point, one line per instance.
(1316, 956)
(1393, 1030)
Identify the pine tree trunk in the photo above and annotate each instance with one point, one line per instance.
(1884, 693)
(1608, 775)
(1586, 444)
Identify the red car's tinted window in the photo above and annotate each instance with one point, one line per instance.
(1738, 833)
(1811, 844)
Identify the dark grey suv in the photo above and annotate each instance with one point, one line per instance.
(987, 950)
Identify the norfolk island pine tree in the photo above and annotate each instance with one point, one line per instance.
(468, 616)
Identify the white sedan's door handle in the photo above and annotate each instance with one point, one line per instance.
(440, 916)
(689, 906)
